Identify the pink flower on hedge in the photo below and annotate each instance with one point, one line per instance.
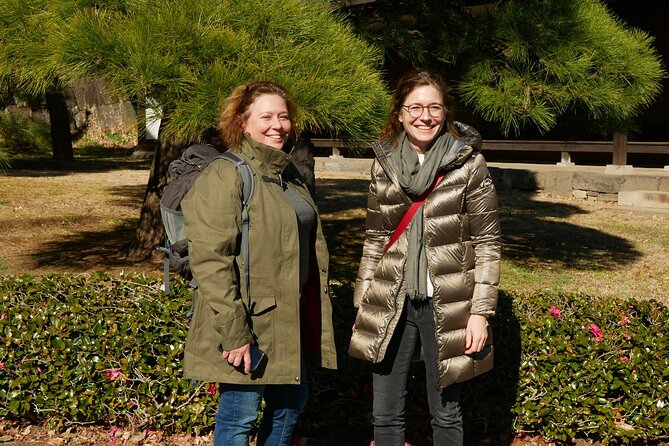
(555, 312)
(595, 330)
(626, 335)
(2, 365)
(39, 370)
(625, 321)
(114, 374)
(211, 390)
(4, 316)
(625, 359)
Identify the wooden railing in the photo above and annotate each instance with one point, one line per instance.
(619, 148)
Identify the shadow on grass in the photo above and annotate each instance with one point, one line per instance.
(86, 250)
(532, 236)
(342, 203)
(45, 166)
(128, 196)
(100, 249)
(533, 232)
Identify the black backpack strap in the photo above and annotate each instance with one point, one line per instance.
(248, 187)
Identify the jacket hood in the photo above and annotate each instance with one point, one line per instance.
(470, 135)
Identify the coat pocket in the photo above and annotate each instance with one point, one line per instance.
(261, 304)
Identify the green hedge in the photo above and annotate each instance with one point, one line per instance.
(96, 348)
(575, 366)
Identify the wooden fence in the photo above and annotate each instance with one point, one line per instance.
(619, 148)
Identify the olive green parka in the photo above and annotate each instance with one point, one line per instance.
(462, 243)
(212, 214)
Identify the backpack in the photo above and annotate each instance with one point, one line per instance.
(183, 173)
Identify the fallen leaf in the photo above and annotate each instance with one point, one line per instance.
(624, 426)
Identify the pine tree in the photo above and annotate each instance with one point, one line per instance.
(24, 30)
(522, 64)
(540, 59)
(188, 54)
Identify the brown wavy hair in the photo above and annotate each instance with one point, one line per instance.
(234, 110)
(408, 83)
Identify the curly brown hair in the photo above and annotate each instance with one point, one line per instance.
(408, 83)
(234, 110)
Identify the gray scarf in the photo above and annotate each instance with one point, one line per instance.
(415, 179)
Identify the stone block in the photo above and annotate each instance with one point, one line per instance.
(559, 182)
(89, 93)
(645, 199)
(626, 198)
(496, 175)
(26, 112)
(636, 182)
(608, 197)
(663, 184)
(582, 194)
(112, 116)
(596, 182)
(521, 179)
(618, 169)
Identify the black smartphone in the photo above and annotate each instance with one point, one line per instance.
(257, 357)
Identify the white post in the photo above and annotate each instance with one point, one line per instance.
(154, 114)
(565, 159)
(336, 153)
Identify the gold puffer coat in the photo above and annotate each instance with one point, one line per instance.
(463, 244)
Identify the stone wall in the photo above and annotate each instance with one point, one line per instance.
(96, 116)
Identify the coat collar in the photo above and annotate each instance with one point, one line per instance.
(264, 159)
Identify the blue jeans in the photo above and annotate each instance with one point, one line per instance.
(390, 379)
(239, 407)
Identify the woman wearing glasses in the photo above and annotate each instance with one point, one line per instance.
(429, 271)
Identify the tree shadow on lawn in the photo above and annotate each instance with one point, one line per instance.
(342, 204)
(532, 237)
(533, 234)
(44, 166)
(128, 196)
(98, 249)
(92, 251)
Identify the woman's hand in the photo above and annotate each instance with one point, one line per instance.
(477, 334)
(237, 356)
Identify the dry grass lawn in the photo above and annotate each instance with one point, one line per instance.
(61, 221)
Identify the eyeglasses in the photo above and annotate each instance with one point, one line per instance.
(415, 110)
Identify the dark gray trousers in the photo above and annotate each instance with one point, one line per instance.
(390, 379)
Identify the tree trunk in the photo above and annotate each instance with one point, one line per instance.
(61, 138)
(149, 233)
